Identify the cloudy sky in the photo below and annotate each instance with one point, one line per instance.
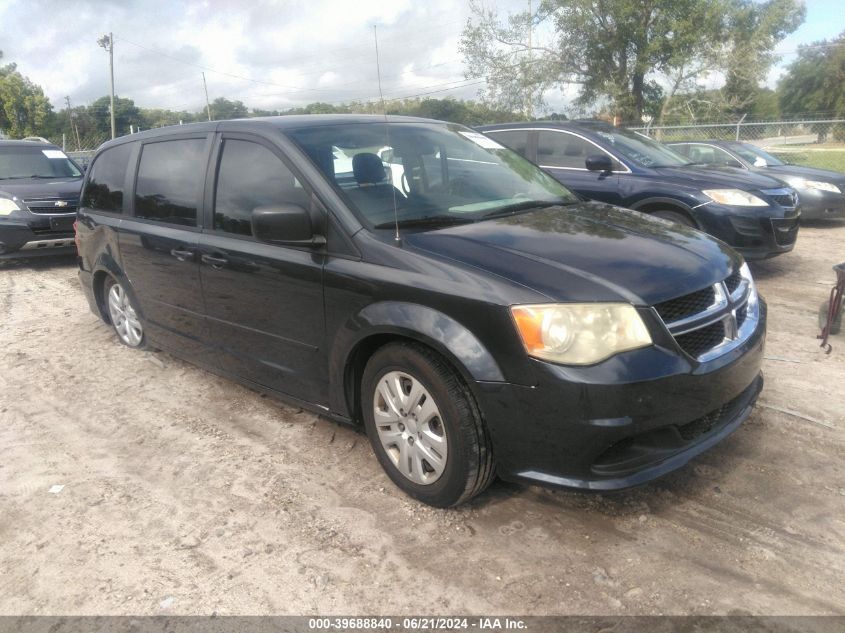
(266, 53)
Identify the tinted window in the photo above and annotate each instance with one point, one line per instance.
(559, 149)
(104, 191)
(251, 176)
(169, 179)
(517, 140)
(638, 147)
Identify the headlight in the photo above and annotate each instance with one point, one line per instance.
(734, 198)
(818, 185)
(579, 333)
(7, 206)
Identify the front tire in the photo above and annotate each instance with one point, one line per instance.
(675, 216)
(123, 315)
(424, 426)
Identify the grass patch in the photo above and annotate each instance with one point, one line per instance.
(815, 156)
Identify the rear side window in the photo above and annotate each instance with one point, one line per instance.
(556, 149)
(104, 191)
(251, 176)
(567, 151)
(169, 178)
(517, 140)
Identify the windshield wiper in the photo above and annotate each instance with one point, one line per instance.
(526, 205)
(431, 220)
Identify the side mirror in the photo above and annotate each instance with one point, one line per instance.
(599, 162)
(285, 224)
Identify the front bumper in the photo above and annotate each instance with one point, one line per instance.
(765, 233)
(821, 205)
(623, 422)
(22, 238)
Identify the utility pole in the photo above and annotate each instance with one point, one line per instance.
(74, 128)
(107, 42)
(530, 94)
(207, 104)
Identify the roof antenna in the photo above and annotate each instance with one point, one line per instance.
(387, 136)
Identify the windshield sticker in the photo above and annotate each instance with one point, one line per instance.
(481, 140)
(53, 153)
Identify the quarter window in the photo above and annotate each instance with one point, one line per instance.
(104, 190)
(169, 178)
(251, 176)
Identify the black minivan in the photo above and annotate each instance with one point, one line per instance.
(477, 317)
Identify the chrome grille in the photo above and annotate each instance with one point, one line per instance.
(681, 307)
(784, 197)
(52, 206)
(710, 322)
(733, 281)
(696, 342)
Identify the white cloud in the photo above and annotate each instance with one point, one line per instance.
(269, 53)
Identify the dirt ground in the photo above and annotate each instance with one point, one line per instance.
(185, 493)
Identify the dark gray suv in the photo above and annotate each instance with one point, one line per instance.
(39, 193)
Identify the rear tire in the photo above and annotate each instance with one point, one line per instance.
(123, 315)
(676, 217)
(424, 426)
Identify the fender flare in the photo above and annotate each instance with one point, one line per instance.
(673, 202)
(412, 321)
(107, 265)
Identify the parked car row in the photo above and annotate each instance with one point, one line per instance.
(821, 191)
(756, 214)
(478, 317)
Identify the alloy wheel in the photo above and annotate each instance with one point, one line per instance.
(123, 317)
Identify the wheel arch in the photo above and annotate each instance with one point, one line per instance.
(104, 268)
(386, 322)
(662, 203)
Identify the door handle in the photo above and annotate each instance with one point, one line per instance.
(215, 262)
(181, 255)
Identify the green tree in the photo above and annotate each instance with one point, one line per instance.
(24, 110)
(634, 55)
(815, 82)
(126, 114)
(222, 108)
(755, 29)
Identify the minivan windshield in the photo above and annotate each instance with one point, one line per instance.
(21, 162)
(640, 149)
(431, 174)
(754, 154)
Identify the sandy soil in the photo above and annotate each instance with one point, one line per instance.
(185, 493)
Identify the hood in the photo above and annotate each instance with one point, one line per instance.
(587, 252)
(40, 188)
(810, 173)
(722, 177)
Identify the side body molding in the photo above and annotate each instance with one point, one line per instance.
(426, 325)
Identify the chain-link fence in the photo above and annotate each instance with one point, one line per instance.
(80, 147)
(812, 143)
